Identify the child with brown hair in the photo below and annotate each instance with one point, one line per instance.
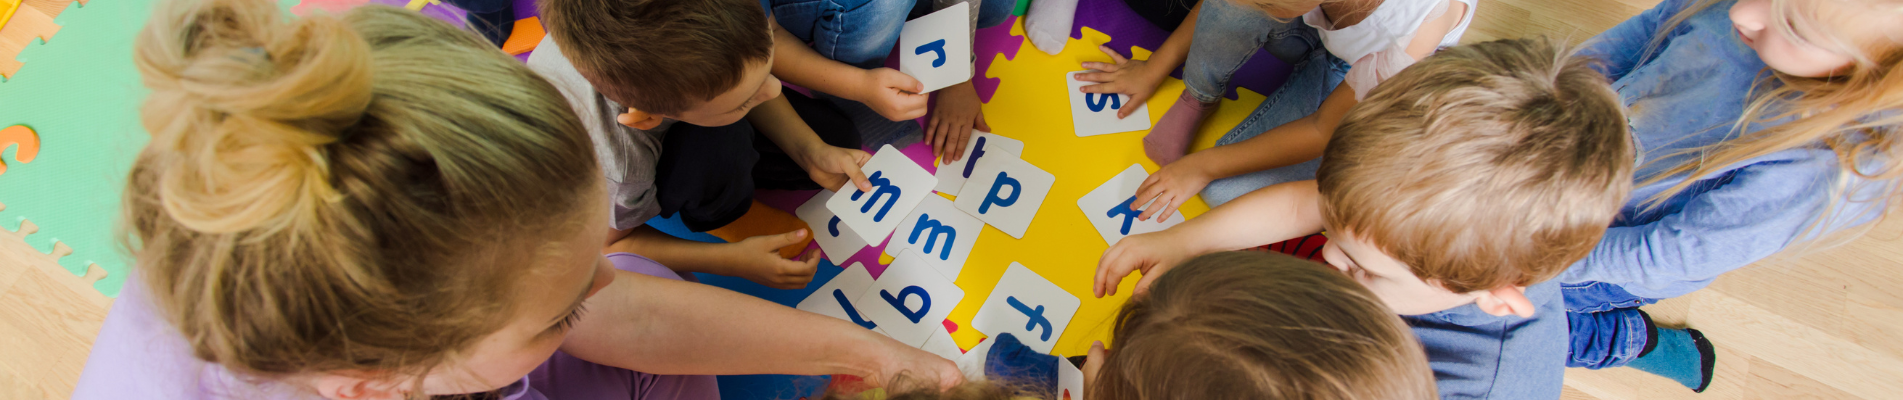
(1229, 325)
(687, 120)
(323, 211)
(1251, 325)
(1454, 192)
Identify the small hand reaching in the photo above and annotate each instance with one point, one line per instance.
(831, 166)
(893, 94)
(1152, 253)
(758, 259)
(958, 112)
(1169, 187)
(1126, 76)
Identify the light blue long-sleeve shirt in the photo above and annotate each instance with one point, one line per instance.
(1686, 95)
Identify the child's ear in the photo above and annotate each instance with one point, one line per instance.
(357, 386)
(638, 119)
(1505, 300)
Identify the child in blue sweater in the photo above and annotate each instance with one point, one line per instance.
(1760, 124)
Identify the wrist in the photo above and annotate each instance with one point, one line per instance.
(863, 84)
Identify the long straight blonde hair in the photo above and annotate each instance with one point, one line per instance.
(1856, 114)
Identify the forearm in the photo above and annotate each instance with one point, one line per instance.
(1176, 49)
(794, 62)
(777, 120)
(1292, 143)
(680, 255)
(663, 326)
(1289, 144)
(1267, 215)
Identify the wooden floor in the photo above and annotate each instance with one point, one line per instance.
(1826, 324)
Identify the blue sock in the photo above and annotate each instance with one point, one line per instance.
(1680, 354)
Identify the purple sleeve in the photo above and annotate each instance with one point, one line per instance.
(138, 355)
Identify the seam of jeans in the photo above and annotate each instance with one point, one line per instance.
(831, 28)
(1260, 112)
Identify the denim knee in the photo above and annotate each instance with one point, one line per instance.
(1606, 339)
(860, 33)
(1590, 297)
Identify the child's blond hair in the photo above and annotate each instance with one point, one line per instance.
(321, 194)
(1857, 113)
(1254, 325)
(1485, 165)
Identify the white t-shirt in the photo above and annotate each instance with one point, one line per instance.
(1377, 46)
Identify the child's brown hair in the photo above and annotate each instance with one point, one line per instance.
(1257, 325)
(660, 56)
(321, 195)
(1485, 165)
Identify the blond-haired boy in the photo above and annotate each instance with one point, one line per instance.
(1454, 193)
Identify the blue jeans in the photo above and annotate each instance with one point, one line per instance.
(1606, 327)
(862, 33)
(1226, 35)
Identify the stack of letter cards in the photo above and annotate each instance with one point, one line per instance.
(1109, 207)
(930, 238)
(1096, 113)
(936, 48)
(909, 302)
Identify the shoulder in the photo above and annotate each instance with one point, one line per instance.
(139, 355)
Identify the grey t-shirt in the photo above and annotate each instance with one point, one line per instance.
(627, 155)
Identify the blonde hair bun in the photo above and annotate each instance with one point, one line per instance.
(243, 103)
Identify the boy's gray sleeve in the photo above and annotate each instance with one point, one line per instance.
(627, 156)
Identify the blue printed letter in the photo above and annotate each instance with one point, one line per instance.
(1128, 214)
(851, 311)
(1037, 318)
(1096, 102)
(833, 227)
(993, 198)
(976, 151)
(925, 222)
(880, 188)
(924, 306)
(936, 46)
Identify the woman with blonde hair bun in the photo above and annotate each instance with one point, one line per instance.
(378, 205)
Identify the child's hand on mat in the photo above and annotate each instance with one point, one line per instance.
(1126, 76)
(957, 113)
(832, 166)
(758, 260)
(892, 94)
(1170, 187)
(1152, 253)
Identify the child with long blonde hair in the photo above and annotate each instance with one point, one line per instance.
(381, 206)
(1761, 124)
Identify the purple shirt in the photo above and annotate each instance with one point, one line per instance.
(138, 355)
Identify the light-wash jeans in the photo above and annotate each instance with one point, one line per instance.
(862, 33)
(1226, 35)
